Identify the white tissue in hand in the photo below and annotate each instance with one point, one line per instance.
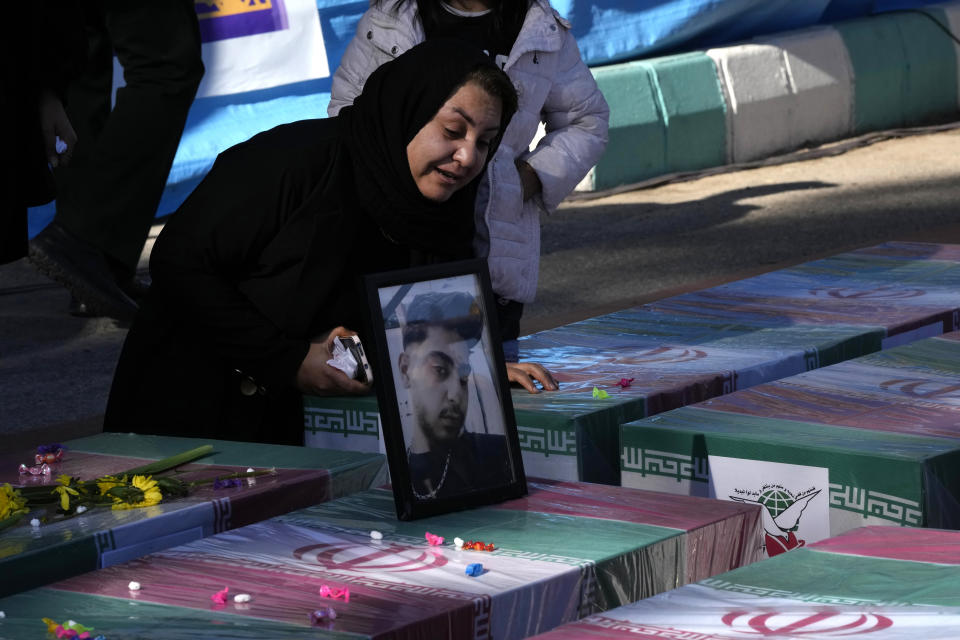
(343, 360)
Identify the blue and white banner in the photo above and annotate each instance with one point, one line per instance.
(269, 61)
(250, 45)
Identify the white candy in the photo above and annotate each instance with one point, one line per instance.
(242, 597)
(376, 535)
(81, 509)
(2, 615)
(35, 523)
(458, 542)
(134, 585)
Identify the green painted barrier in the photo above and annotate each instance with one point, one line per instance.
(666, 115)
(904, 69)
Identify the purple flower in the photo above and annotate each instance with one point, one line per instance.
(226, 483)
(50, 448)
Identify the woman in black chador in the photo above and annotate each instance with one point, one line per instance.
(258, 270)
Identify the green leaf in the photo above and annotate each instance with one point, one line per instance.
(9, 521)
(169, 463)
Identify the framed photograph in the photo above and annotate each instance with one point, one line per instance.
(445, 407)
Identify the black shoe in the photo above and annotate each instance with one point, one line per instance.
(83, 270)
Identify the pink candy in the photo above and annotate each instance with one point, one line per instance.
(433, 540)
(220, 597)
(36, 469)
(334, 593)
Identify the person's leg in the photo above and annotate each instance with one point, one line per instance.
(108, 198)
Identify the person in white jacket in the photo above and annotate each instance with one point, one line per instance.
(533, 44)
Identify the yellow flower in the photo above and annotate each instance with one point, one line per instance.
(11, 502)
(151, 493)
(65, 493)
(109, 482)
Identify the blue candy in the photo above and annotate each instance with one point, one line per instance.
(474, 569)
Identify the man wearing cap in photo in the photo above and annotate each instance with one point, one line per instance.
(445, 459)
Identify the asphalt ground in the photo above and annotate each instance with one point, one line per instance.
(598, 255)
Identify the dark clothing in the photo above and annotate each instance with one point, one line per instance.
(477, 461)
(477, 30)
(267, 253)
(508, 316)
(257, 261)
(55, 51)
(108, 196)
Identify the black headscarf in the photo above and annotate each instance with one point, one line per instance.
(398, 99)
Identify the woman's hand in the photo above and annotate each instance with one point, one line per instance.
(53, 124)
(524, 374)
(529, 180)
(317, 378)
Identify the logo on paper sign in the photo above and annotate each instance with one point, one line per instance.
(223, 19)
(385, 558)
(822, 624)
(781, 514)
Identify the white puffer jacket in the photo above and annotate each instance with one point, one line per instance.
(554, 86)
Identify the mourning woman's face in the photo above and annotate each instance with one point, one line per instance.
(451, 149)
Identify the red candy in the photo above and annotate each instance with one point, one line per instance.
(478, 546)
(49, 458)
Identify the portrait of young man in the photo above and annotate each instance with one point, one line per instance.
(456, 442)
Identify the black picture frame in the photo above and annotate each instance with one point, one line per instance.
(445, 356)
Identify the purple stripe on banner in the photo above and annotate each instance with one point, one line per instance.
(213, 27)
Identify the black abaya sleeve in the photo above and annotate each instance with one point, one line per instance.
(247, 226)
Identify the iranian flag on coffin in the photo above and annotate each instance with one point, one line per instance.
(804, 594)
(875, 477)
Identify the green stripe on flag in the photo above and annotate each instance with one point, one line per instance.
(225, 452)
(121, 618)
(829, 578)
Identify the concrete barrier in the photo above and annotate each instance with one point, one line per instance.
(904, 68)
(785, 92)
(666, 114)
(951, 12)
(637, 130)
(778, 93)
